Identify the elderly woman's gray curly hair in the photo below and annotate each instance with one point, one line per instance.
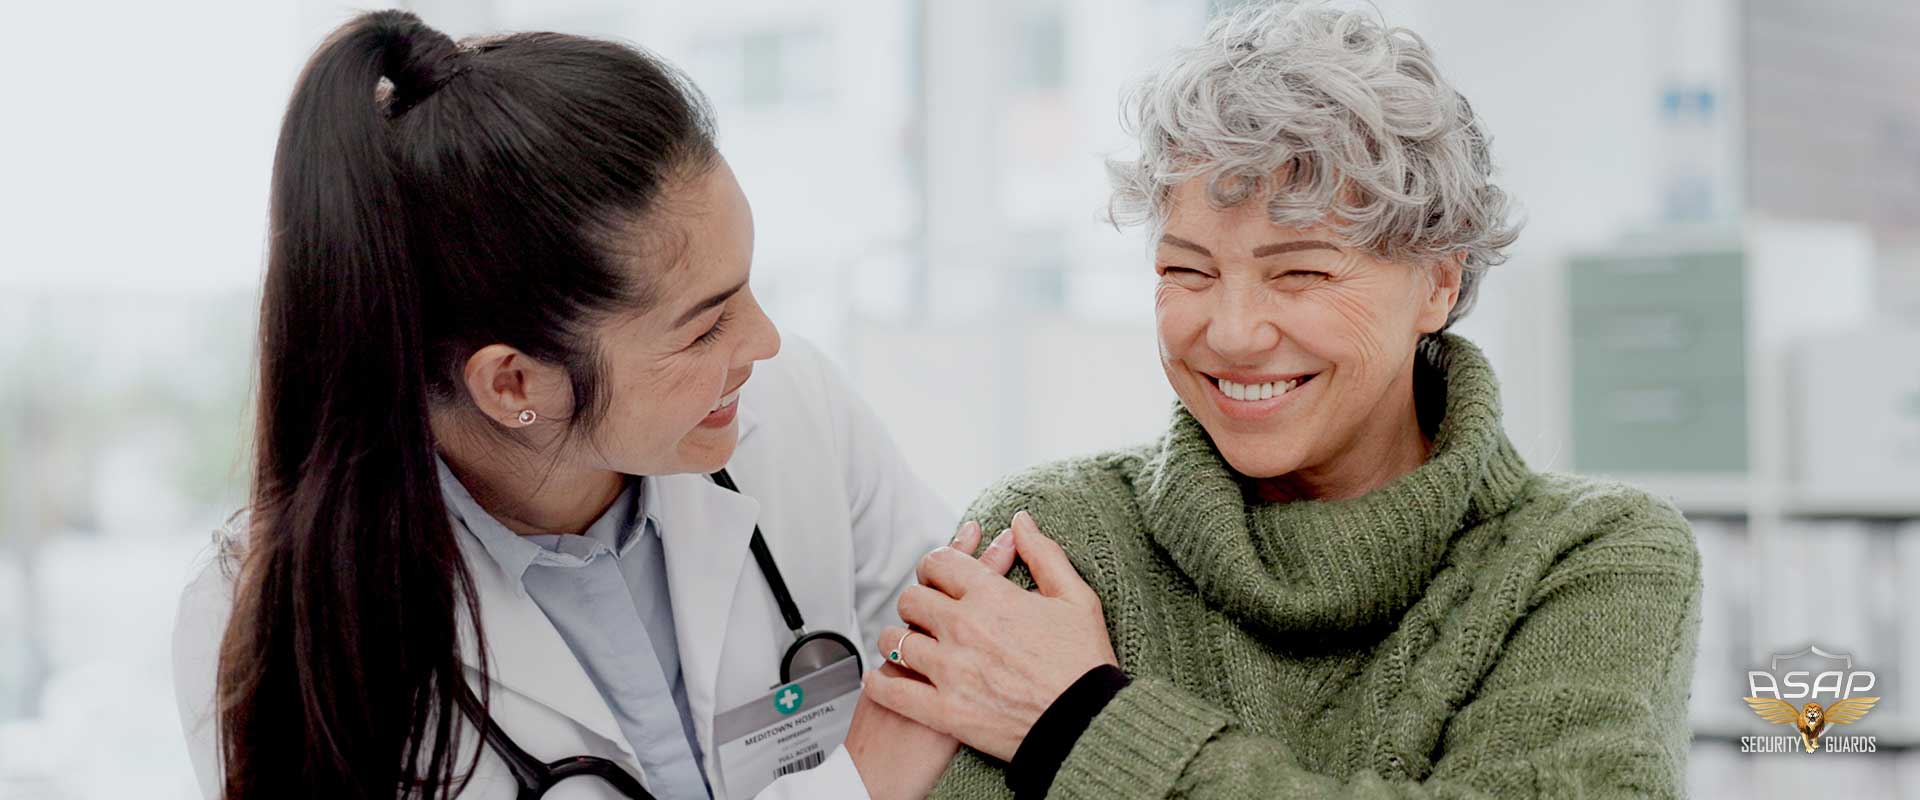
(1343, 119)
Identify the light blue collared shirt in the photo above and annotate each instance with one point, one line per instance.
(605, 591)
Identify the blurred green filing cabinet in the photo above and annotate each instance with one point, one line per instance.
(1659, 362)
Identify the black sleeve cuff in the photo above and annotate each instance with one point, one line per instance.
(1031, 772)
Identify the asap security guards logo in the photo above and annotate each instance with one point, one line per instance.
(1810, 691)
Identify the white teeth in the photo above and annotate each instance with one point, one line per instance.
(1260, 391)
(730, 399)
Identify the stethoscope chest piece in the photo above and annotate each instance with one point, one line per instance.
(815, 651)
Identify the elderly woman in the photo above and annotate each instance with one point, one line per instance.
(1332, 576)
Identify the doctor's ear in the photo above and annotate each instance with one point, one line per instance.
(515, 389)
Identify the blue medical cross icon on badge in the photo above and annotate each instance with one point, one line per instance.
(790, 699)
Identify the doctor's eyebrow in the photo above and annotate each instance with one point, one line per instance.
(702, 306)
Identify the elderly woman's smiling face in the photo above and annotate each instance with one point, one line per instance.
(1293, 350)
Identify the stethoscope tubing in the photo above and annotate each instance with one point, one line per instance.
(536, 778)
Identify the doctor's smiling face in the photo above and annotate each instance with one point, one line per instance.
(670, 371)
(674, 372)
(1291, 348)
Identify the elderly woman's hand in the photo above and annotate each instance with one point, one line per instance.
(993, 656)
(896, 756)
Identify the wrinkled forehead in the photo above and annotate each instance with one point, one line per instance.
(1286, 196)
(1197, 207)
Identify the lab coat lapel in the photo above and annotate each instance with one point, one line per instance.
(705, 530)
(525, 652)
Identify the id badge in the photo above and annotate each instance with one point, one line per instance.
(793, 728)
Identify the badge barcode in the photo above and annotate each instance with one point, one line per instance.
(809, 761)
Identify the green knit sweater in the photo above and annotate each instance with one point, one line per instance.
(1472, 629)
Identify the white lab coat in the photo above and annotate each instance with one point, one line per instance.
(845, 518)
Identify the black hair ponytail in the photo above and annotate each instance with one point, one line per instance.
(428, 199)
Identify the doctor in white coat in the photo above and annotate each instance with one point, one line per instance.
(506, 336)
(852, 523)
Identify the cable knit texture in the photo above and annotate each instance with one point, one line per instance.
(1471, 629)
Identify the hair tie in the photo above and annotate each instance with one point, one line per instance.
(416, 80)
(457, 71)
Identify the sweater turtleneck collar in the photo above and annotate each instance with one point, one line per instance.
(1324, 566)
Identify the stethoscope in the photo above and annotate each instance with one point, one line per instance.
(808, 653)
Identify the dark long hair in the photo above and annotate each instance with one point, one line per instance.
(429, 198)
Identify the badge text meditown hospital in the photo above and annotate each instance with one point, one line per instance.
(795, 727)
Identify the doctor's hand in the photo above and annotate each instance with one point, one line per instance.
(896, 757)
(993, 657)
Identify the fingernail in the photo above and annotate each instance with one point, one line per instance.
(1022, 514)
(1002, 541)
